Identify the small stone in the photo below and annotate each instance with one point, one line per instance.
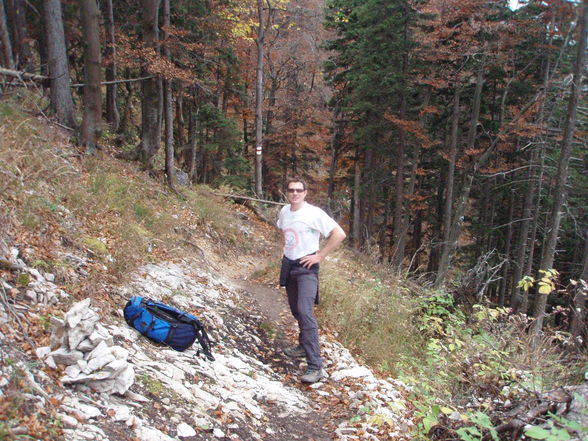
(31, 296)
(136, 397)
(42, 352)
(86, 346)
(68, 421)
(50, 362)
(63, 356)
(85, 411)
(36, 274)
(184, 430)
(73, 371)
(122, 413)
(217, 433)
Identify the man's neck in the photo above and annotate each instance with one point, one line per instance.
(297, 207)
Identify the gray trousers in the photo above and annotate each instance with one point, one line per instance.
(302, 290)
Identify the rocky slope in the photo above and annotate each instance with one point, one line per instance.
(74, 370)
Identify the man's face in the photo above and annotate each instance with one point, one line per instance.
(296, 193)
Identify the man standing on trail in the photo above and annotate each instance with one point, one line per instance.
(302, 224)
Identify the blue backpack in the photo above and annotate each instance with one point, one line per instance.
(165, 324)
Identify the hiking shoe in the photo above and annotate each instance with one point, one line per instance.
(312, 375)
(295, 352)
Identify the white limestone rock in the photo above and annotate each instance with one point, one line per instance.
(73, 371)
(57, 332)
(353, 372)
(185, 430)
(36, 274)
(50, 362)
(31, 296)
(42, 352)
(121, 413)
(86, 346)
(151, 434)
(124, 380)
(100, 333)
(65, 356)
(85, 411)
(80, 323)
(68, 421)
(100, 356)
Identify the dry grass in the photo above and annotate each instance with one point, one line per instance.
(109, 208)
(370, 311)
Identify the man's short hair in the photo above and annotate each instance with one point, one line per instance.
(295, 179)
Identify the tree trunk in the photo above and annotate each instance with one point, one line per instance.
(524, 308)
(436, 240)
(335, 151)
(168, 106)
(20, 37)
(368, 202)
(578, 325)
(450, 184)
(399, 211)
(124, 122)
(559, 194)
(193, 136)
(7, 58)
(450, 244)
(112, 113)
(150, 122)
(416, 242)
(263, 25)
(383, 234)
(356, 219)
(180, 123)
(406, 220)
(506, 268)
(515, 297)
(90, 18)
(61, 99)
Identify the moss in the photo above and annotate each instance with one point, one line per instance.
(95, 245)
(24, 279)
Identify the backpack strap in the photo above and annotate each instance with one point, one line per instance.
(150, 327)
(203, 339)
(170, 334)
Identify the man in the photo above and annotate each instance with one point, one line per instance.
(302, 225)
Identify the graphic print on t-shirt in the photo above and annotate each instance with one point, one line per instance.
(291, 239)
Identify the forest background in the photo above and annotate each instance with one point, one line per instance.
(447, 137)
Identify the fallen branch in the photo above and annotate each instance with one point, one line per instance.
(517, 423)
(6, 264)
(29, 76)
(520, 417)
(22, 75)
(130, 80)
(234, 196)
(10, 311)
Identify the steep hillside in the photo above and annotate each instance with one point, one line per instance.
(78, 237)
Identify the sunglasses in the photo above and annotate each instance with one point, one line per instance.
(296, 190)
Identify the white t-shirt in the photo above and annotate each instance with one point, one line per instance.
(302, 229)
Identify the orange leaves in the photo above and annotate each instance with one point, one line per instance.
(473, 152)
(428, 110)
(435, 83)
(412, 127)
(417, 201)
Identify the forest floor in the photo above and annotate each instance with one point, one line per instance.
(251, 390)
